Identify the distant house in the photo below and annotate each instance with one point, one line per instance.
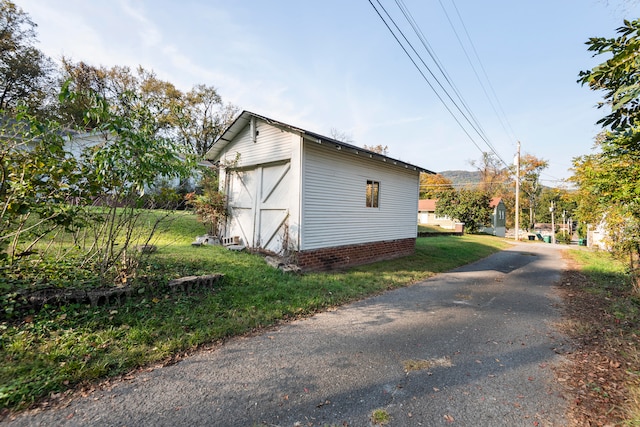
(498, 218)
(77, 143)
(323, 202)
(597, 236)
(427, 215)
(600, 235)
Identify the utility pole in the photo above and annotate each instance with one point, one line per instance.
(553, 222)
(517, 237)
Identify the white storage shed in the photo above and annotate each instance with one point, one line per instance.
(326, 203)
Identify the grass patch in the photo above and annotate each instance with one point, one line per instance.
(430, 229)
(602, 269)
(70, 260)
(380, 417)
(60, 347)
(602, 316)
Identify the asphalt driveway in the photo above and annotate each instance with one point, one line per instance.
(472, 347)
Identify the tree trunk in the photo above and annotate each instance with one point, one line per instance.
(531, 224)
(635, 274)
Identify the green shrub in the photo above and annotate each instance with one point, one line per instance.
(564, 238)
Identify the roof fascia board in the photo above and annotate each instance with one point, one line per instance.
(236, 127)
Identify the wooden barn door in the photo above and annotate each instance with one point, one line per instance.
(259, 206)
(241, 193)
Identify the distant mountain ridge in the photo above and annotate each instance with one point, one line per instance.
(462, 178)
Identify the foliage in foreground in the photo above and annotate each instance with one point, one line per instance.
(608, 181)
(80, 137)
(48, 194)
(57, 349)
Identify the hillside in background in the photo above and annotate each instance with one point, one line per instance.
(462, 178)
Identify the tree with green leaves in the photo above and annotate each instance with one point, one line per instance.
(94, 199)
(468, 206)
(194, 119)
(530, 169)
(608, 181)
(119, 170)
(38, 183)
(563, 202)
(496, 179)
(618, 76)
(25, 72)
(126, 91)
(608, 187)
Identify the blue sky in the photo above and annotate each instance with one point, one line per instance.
(332, 64)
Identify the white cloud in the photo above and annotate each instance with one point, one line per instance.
(78, 40)
(149, 33)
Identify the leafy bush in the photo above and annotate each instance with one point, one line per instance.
(57, 206)
(165, 197)
(564, 238)
(211, 205)
(468, 206)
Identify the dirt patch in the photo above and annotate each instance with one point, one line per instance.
(602, 364)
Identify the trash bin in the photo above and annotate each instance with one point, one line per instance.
(582, 242)
(532, 237)
(547, 239)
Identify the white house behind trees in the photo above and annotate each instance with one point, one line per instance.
(326, 203)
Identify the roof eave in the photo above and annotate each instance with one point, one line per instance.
(245, 117)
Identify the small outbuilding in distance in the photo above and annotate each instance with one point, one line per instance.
(324, 203)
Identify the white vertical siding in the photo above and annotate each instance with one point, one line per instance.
(78, 144)
(334, 211)
(272, 145)
(295, 191)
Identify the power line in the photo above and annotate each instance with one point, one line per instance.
(486, 76)
(420, 70)
(471, 64)
(416, 28)
(407, 14)
(463, 184)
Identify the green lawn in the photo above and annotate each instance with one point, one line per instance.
(58, 348)
(432, 229)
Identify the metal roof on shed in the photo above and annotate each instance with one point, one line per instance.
(244, 119)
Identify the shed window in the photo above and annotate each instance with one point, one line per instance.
(373, 191)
